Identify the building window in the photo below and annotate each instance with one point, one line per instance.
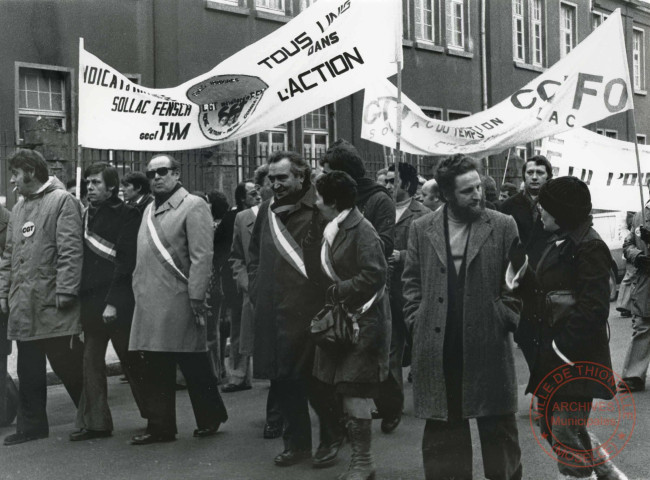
(426, 20)
(272, 141)
(522, 152)
(275, 6)
(433, 112)
(607, 133)
(537, 32)
(456, 115)
(519, 37)
(406, 14)
(640, 139)
(456, 24)
(42, 96)
(315, 133)
(597, 19)
(638, 59)
(567, 28)
(304, 4)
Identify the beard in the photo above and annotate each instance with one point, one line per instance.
(467, 213)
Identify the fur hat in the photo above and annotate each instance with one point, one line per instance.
(567, 199)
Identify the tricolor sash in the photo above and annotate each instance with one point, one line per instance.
(328, 268)
(98, 245)
(286, 245)
(162, 249)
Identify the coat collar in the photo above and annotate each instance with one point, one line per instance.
(172, 202)
(413, 208)
(435, 231)
(352, 220)
(481, 230)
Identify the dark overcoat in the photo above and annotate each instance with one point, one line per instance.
(531, 232)
(578, 261)
(108, 282)
(358, 261)
(285, 301)
(490, 314)
(633, 246)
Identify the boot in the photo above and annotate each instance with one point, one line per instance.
(606, 470)
(361, 466)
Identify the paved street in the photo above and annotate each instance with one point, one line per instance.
(239, 452)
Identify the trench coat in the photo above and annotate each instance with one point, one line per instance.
(358, 260)
(490, 314)
(163, 320)
(108, 282)
(239, 259)
(578, 261)
(632, 247)
(5, 345)
(37, 267)
(285, 301)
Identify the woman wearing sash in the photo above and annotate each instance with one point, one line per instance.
(350, 259)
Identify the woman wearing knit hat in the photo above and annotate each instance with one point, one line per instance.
(556, 333)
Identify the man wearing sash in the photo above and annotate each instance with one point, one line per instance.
(40, 275)
(110, 234)
(170, 281)
(285, 301)
(461, 316)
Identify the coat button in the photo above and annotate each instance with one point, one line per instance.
(437, 329)
(440, 299)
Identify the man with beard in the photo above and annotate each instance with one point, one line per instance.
(523, 207)
(461, 315)
(285, 301)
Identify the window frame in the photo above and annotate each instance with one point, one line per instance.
(640, 138)
(312, 154)
(451, 111)
(574, 30)
(277, 11)
(450, 30)
(542, 38)
(518, 21)
(435, 21)
(68, 86)
(438, 110)
(642, 63)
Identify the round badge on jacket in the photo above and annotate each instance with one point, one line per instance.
(28, 229)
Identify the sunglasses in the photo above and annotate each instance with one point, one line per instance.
(162, 171)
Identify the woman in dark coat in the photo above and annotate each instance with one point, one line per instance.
(576, 260)
(351, 261)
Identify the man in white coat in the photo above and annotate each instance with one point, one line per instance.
(170, 282)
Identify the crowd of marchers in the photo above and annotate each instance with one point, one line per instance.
(439, 275)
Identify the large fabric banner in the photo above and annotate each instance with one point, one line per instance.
(332, 49)
(608, 166)
(590, 83)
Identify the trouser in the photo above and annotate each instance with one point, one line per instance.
(93, 412)
(66, 358)
(447, 449)
(240, 365)
(293, 398)
(625, 289)
(638, 353)
(569, 438)
(158, 390)
(273, 413)
(390, 401)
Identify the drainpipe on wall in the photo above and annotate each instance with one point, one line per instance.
(484, 98)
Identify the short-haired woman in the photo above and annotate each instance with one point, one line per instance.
(350, 257)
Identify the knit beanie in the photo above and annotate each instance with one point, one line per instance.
(567, 199)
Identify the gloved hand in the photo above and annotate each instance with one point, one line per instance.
(644, 234)
(642, 262)
(517, 254)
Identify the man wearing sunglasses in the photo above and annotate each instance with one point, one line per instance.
(170, 281)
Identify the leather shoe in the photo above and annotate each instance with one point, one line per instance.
(272, 430)
(632, 384)
(84, 434)
(389, 424)
(375, 414)
(206, 432)
(325, 455)
(148, 438)
(292, 457)
(20, 437)
(233, 387)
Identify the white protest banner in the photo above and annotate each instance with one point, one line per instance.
(607, 165)
(590, 83)
(331, 50)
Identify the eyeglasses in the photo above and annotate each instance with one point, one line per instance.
(162, 171)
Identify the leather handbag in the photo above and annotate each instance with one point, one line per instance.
(558, 305)
(333, 328)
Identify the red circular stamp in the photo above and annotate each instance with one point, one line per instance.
(610, 423)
